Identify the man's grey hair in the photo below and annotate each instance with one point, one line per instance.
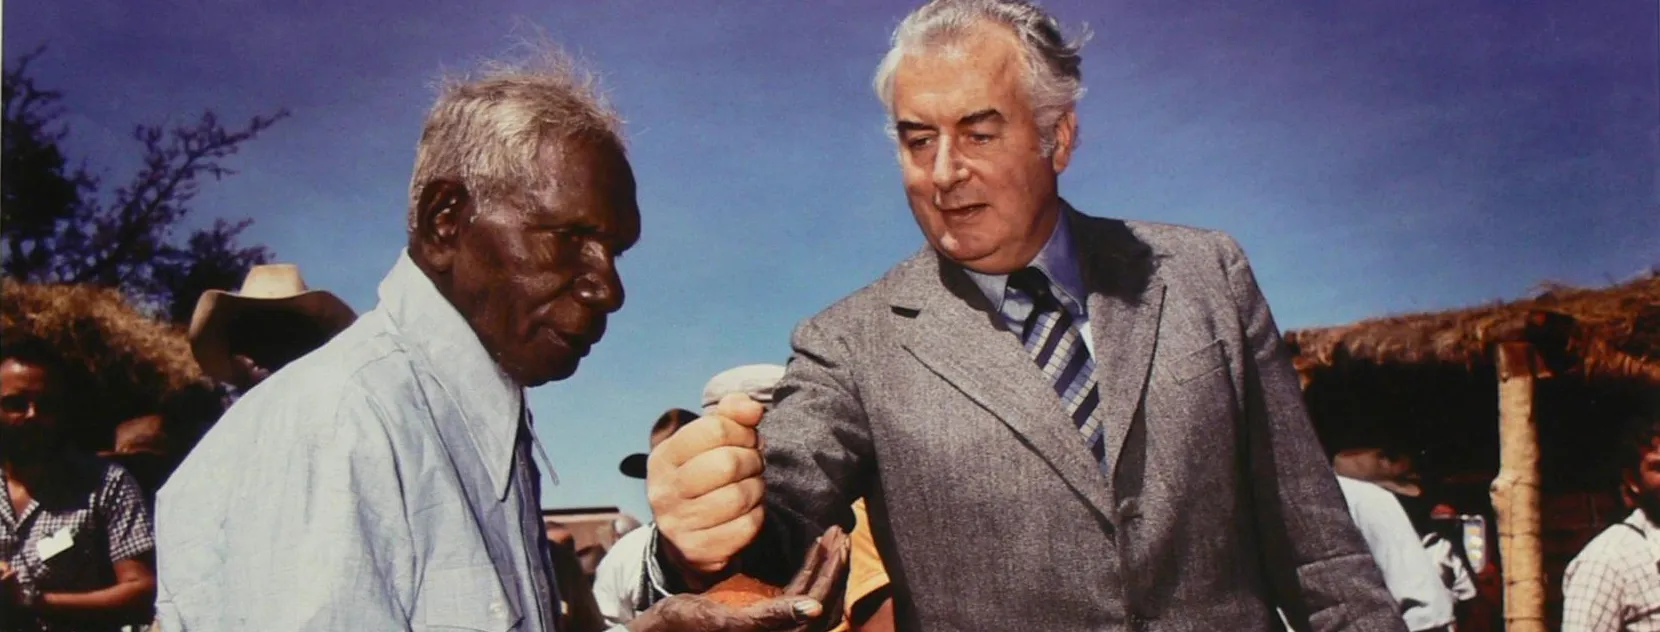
(1054, 82)
(487, 132)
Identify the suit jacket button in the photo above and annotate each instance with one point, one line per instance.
(1129, 510)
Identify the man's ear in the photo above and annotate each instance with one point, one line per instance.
(1066, 138)
(439, 213)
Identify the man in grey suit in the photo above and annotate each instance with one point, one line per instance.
(1061, 422)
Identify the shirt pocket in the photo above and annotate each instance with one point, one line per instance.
(468, 598)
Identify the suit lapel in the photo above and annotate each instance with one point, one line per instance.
(948, 325)
(1126, 301)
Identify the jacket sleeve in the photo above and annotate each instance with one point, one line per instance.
(817, 446)
(1323, 577)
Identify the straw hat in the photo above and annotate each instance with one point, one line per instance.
(275, 286)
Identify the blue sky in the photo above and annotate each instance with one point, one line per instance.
(1373, 157)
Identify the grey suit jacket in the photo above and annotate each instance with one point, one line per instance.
(986, 505)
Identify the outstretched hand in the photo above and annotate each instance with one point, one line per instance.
(809, 602)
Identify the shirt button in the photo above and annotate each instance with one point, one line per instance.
(498, 610)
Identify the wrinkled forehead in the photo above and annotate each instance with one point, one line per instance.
(587, 179)
(592, 160)
(982, 42)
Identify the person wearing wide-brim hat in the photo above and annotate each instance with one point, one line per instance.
(241, 337)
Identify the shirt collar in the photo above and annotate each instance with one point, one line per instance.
(1643, 522)
(1646, 526)
(491, 403)
(1058, 260)
(71, 472)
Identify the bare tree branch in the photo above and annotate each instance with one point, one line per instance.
(58, 228)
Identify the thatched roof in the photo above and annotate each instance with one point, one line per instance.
(127, 364)
(1611, 332)
(1427, 384)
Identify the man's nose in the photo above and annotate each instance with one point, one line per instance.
(600, 287)
(948, 166)
(600, 291)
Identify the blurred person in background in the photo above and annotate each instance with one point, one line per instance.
(240, 338)
(1613, 585)
(1409, 572)
(76, 546)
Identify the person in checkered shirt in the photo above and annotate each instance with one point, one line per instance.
(76, 547)
(1613, 585)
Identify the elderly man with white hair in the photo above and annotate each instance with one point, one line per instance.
(1060, 421)
(386, 481)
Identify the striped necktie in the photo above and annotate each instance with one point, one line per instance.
(1053, 338)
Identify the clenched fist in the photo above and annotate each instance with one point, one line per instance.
(704, 484)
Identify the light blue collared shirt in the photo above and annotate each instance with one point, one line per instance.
(375, 484)
(1059, 261)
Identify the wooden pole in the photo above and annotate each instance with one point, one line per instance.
(1515, 491)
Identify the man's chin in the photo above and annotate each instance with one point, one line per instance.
(548, 372)
(981, 260)
(963, 251)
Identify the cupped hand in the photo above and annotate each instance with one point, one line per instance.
(809, 602)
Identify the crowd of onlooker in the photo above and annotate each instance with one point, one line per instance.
(77, 550)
